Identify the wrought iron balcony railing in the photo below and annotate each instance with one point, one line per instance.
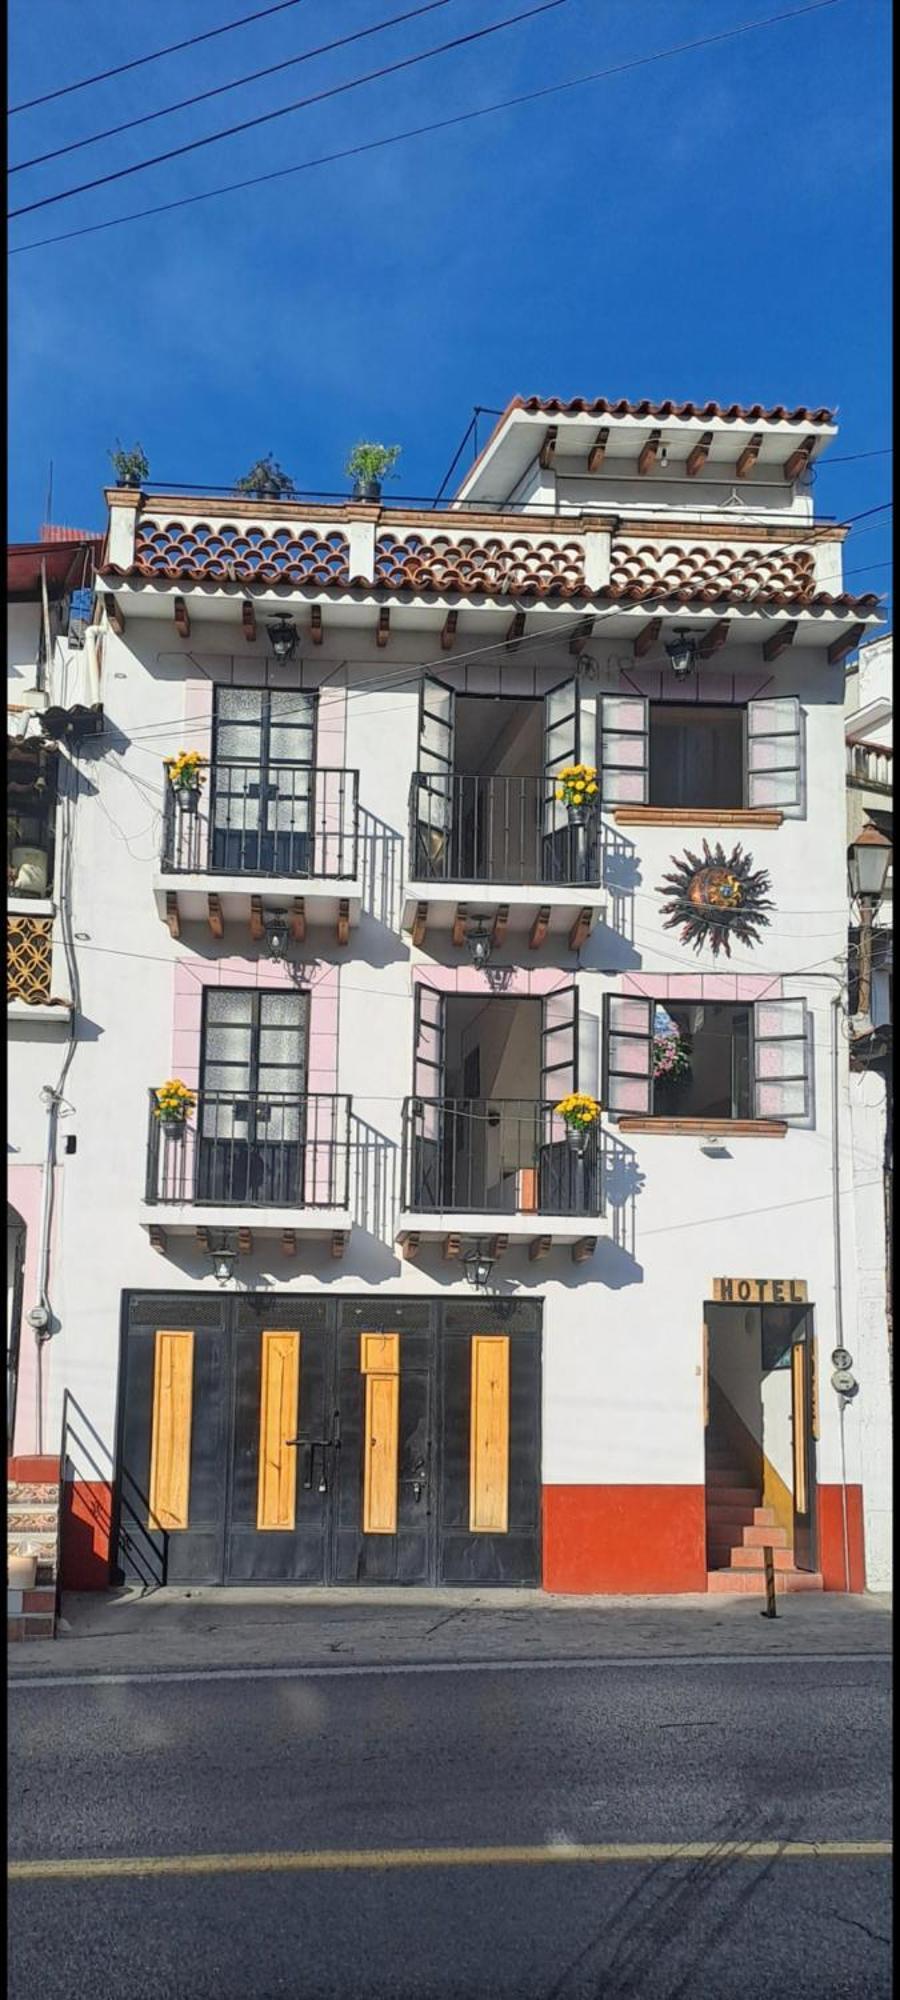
(497, 830)
(267, 1149)
(294, 820)
(497, 1156)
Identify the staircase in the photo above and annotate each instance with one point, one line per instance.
(32, 1526)
(738, 1528)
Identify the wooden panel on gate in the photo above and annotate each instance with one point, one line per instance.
(170, 1445)
(279, 1396)
(379, 1360)
(489, 1435)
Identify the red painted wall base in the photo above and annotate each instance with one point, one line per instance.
(831, 1538)
(624, 1540)
(84, 1535)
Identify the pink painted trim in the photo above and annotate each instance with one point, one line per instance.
(465, 979)
(191, 975)
(710, 986)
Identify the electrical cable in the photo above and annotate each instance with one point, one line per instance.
(174, 48)
(439, 125)
(219, 90)
(301, 104)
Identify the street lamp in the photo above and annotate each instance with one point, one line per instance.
(479, 946)
(224, 1256)
(277, 935)
(682, 652)
(868, 861)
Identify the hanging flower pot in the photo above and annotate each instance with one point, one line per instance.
(576, 788)
(579, 1112)
(186, 777)
(172, 1102)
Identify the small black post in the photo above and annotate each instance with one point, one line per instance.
(769, 1561)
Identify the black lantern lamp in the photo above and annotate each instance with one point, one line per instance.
(682, 652)
(477, 1267)
(479, 945)
(277, 935)
(283, 637)
(224, 1255)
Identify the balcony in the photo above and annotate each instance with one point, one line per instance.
(255, 844)
(502, 1168)
(509, 841)
(271, 1163)
(869, 765)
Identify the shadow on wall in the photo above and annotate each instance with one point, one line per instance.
(621, 878)
(374, 1193)
(623, 1181)
(86, 1518)
(381, 854)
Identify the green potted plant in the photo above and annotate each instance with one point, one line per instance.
(265, 480)
(368, 465)
(132, 468)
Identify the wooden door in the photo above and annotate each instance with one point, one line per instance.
(489, 1529)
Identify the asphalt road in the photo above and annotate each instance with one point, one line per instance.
(745, 1760)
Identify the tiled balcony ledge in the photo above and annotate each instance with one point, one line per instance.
(237, 905)
(555, 910)
(292, 1226)
(455, 1229)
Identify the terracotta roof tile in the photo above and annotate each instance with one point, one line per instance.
(599, 406)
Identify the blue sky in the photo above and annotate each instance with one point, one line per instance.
(716, 224)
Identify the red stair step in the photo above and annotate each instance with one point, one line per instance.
(756, 1537)
(752, 1582)
(753, 1558)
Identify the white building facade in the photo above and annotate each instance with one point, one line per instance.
(370, 1313)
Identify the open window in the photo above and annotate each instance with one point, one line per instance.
(30, 817)
(702, 756)
(706, 1061)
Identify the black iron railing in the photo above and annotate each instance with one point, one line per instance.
(497, 1156)
(266, 1149)
(294, 820)
(511, 830)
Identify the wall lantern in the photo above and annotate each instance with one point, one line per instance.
(682, 652)
(224, 1255)
(479, 945)
(277, 936)
(868, 861)
(283, 637)
(477, 1268)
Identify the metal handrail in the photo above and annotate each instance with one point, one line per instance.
(498, 830)
(297, 820)
(503, 1156)
(252, 1149)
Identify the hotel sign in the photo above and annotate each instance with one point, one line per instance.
(759, 1291)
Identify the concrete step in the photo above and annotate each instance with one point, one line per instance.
(764, 1517)
(752, 1582)
(769, 1536)
(28, 1543)
(744, 1558)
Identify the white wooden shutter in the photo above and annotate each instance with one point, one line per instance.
(627, 1054)
(775, 775)
(782, 1059)
(624, 750)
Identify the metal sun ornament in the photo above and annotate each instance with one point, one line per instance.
(716, 898)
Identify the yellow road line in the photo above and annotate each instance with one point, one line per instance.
(447, 1857)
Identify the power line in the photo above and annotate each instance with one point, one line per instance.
(419, 131)
(174, 48)
(850, 457)
(301, 104)
(291, 62)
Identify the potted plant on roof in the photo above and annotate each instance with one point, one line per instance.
(186, 777)
(132, 468)
(172, 1102)
(368, 465)
(579, 1111)
(266, 480)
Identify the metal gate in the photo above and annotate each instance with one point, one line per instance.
(284, 1439)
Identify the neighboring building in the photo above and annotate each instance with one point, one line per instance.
(869, 730)
(378, 950)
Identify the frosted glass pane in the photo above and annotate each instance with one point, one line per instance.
(629, 1093)
(627, 750)
(282, 1009)
(232, 1077)
(774, 718)
(779, 1017)
(239, 704)
(295, 745)
(280, 1082)
(625, 787)
(624, 712)
(292, 705)
(229, 1004)
(282, 1045)
(773, 753)
(780, 1100)
(238, 741)
(227, 1043)
(628, 1057)
(781, 1059)
(629, 1016)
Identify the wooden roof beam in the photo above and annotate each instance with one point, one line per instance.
(289, 1243)
(649, 453)
(343, 921)
(297, 920)
(597, 452)
(779, 640)
(514, 631)
(839, 648)
(799, 459)
(257, 920)
(114, 613)
(214, 914)
(182, 618)
(748, 457)
(339, 1240)
(173, 918)
(581, 929)
(713, 639)
(157, 1238)
(383, 628)
(409, 1245)
(315, 624)
(498, 927)
(245, 1242)
(541, 1247)
(458, 932)
(248, 621)
(539, 928)
(497, 1246)
(697, 458)
(647, 638)
(448, 630)
(420, 925)
(580, 636)
(584, 1249)
(548, 449)
(452, 1248)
